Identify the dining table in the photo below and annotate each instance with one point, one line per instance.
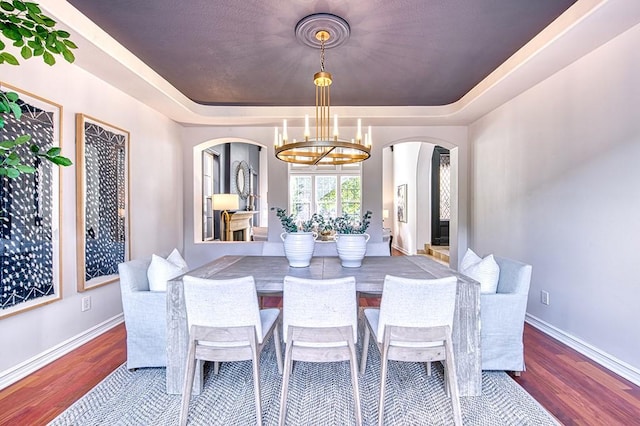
(269, 272)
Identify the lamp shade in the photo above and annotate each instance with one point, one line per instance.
(225, 202)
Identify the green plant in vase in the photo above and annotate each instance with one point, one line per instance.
(325, 227)
(298, 240)
(351, 239)
(289, 223)
(347, 224)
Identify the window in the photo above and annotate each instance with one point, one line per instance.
(210, 185)
(326, 190)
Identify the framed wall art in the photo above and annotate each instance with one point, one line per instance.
(102, 164)
(402, 202)
(30, 260)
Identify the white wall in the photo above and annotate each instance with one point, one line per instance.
(155, 185)
(405, 166)
(198, 253)
(556, 183)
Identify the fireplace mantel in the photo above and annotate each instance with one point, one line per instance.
(240, 221)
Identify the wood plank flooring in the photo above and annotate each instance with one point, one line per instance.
(574, 389)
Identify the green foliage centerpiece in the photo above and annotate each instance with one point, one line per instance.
(351, 239)
(299, 240)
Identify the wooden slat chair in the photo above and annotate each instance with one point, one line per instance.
(320, 325)
(225, 324)
(414, 324)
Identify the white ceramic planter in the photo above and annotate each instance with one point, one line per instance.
(298, 248)
(351, 249)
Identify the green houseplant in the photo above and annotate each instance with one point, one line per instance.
(351, 239)
(298, 240)
(25, 27)
(347, 224)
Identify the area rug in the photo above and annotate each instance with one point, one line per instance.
(319, 394)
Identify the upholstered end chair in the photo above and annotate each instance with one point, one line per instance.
(145, 316)
(502, 318)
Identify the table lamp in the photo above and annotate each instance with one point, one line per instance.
(224, 203)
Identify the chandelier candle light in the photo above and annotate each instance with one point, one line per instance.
(326, 147)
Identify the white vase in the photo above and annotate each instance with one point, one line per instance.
(298, 247)
(351, 249)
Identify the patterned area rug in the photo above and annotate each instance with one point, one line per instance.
(319, 394)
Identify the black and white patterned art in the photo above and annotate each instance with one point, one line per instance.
(29, 266)
(104, 200)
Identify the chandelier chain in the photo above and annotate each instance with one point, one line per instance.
(322, 53)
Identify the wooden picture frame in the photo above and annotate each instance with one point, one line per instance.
(30, 218)
(102, 234)
(401, 197)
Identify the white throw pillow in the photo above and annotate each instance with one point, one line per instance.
(177, 259)
(160, 270)
(486, 271)
(470, 258)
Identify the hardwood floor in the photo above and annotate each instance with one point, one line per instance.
(574, 389)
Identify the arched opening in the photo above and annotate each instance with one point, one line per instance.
(235, 166)
(407, 193)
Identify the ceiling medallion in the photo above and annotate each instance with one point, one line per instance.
(322, 30)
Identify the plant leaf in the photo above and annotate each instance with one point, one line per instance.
(7, 6)
(25, 169)
(54, 151)
(15, 109)
(34, 148)
(19, 5)
(48, 58)
(22, 139)
(12, 96)
(33, 7)
(25, 52)
(12, 173)
(61, 161)
(68, 56)
(9, 58)
(11, 33)
(70, 44)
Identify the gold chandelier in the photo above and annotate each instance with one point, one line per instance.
(327, 147)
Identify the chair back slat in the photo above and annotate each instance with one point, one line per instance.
(418, 334)
(320, 334)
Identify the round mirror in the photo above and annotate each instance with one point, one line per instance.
(242, 179)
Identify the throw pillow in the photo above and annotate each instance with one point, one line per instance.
(470, 258)
(161, 270)
(486, 271)
(177, 259)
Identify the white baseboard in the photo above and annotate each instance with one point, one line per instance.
(35, 363)
(400, 249)
(608, 361)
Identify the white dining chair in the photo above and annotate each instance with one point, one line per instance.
(320, 325)
(225, 324)
(414, 324)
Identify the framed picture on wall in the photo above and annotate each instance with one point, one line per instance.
(401, 199)
(102, 162)
(30, 260)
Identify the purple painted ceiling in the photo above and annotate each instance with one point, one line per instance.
(401, 52)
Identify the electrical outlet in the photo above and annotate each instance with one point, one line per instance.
(544, 297)
(86, 303)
